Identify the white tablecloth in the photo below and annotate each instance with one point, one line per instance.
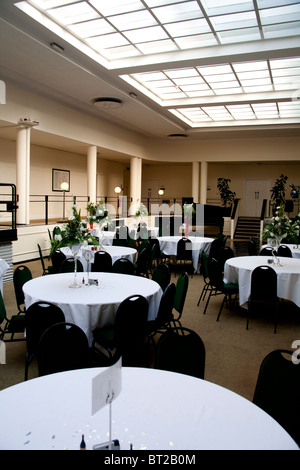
(295, 249)
(168, 245)
(106, 236)
(156, 410)
(115, 252)
(92, 306)
(239, 270)
(3, 267)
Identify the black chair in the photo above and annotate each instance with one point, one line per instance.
(21, 275)
(62, 347)
(57, 258)
(277, 388)
(39, 316)
(68, 266)
(164, 315)
(11, 326)
(181, 350)
(266, 251)
(121, 237)
(204, 271)
(184, 254)
(284, 251)
(182, 285)
(218, 287)
(215, 247)
(141, 267)
(46, 269)
(224, 254)
(252, 247)
(102, 262)
(263, 292)
(56, 231)
(123, 266)
(162, 275)
(126, 337)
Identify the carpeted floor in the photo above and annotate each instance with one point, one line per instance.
(233, 354)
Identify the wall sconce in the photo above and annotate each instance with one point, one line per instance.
(161, 191)
(64, 187)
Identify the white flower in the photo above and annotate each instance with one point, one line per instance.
(277, 219)
(58, 237)
(72, 217)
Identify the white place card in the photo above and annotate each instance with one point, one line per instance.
(106, 386)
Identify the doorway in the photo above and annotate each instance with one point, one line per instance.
(256, 190)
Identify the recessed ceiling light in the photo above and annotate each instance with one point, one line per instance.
(177, 136)
(107, 103)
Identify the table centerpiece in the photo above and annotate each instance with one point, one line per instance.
(278, 228)
(74, 234)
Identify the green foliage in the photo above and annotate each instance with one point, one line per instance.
(227, 196)
(278, 191)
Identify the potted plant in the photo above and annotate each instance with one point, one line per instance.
(278, 192)
(227, 196)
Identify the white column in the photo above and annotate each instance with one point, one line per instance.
(135, 185)
(203, 183)
(195, 182)
(92, 173)
(23, 174)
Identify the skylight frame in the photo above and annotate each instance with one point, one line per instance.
(199, 24)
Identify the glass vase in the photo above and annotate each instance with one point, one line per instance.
(75, 250)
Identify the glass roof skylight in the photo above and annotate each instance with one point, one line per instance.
(117, 33)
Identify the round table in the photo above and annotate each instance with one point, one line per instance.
(155, 410)
(92, 306)
(115, 252)
(106, 236)
(168, 245)
(239, 269)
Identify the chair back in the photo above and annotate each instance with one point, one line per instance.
(142, 263)
(21, 275)
(56, 231)
(252, 248)
(266, 251)
(164, 314)
(57, 258)
(224, 254)
(215, 247)
(276, 390)
(182, 285)
(184, 250)
(181, 350)
(42, 258)
(162, 275)
(284, 251)
(63, 346)
(123, 266)
(263, 284)
(130, 328)
(215, 273)
(102, 262)
(68, 266)
(38, 317)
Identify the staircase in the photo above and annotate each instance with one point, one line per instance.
(246, 228)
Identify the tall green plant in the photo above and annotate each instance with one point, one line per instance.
(278, 191)
(227, 196)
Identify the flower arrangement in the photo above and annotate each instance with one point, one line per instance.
(279, 227)
(97, 213)
(74, 232)
(142, 211)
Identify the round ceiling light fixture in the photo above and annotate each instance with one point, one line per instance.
(107, 103)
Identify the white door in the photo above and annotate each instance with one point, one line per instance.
(256, 190)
